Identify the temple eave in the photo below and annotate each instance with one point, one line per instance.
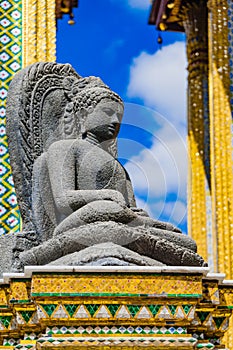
(164, 15)
(65, 7)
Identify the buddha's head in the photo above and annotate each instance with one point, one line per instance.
(104, 119)
(96, 109)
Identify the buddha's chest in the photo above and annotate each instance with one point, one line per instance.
(97, 169)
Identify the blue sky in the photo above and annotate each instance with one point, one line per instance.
(111, 39)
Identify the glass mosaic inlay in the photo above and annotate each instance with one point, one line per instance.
(11, 63)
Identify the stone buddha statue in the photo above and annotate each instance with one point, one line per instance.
(75, 198)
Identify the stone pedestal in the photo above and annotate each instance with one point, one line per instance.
(114, 307)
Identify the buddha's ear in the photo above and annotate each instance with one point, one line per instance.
(67, 85)
(82, 117)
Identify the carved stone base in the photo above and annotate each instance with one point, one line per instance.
(125, 307)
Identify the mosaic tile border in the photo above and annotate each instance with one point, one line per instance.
(115, 311)
(114, 330)
(11, 58)
(158, 341)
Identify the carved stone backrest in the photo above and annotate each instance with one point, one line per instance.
(29, 124)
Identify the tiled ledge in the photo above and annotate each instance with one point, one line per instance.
(94, 306)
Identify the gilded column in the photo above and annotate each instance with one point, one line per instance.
(221, 137)
(194, 18)
(51, 30)
(221, 134)
(39, 34)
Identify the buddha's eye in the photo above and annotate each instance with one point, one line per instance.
(108, 111)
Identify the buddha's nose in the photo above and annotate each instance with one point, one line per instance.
(115, 118)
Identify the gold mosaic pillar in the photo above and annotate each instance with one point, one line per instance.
(194, 18)
(221, 135)
(221, 140)
(39, 31)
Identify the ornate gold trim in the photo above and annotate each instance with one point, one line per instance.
(39, 31)
(221, 135)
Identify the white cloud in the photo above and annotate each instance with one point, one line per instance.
(159, 174)
(160, 80)
(176, 211)
(135, 4)
(156, 173)
(162, 168)
(140, 4)
(172, 211)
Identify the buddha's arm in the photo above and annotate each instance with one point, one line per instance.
(78, 198)
(131, 198)
(130, 194)
(129, 190)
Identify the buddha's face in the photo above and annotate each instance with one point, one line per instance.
(104, 121)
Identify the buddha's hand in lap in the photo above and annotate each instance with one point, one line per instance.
(117, 197)
(139, 211)
(154, 223)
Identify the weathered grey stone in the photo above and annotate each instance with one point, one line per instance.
(159, 246)
(72, 191)
(7, 243)
(106, 254)
(167, 252)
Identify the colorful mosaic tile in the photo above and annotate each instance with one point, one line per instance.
(119, 285)
(24, 317)
(71, 308)
(120, 330)
(113, 309)
(3, 297)
(133, 341)
(31, 336)
(125, 311)
(19, 291)
(10, 342)
(11, 57)
(205, 346)
(6, 322)
(113, 321)
(214, 323)
(211, 292)
(26, 345)
(203, 315)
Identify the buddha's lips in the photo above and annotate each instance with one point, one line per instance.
(112, 128)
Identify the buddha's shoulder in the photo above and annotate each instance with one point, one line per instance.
(72, 144)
